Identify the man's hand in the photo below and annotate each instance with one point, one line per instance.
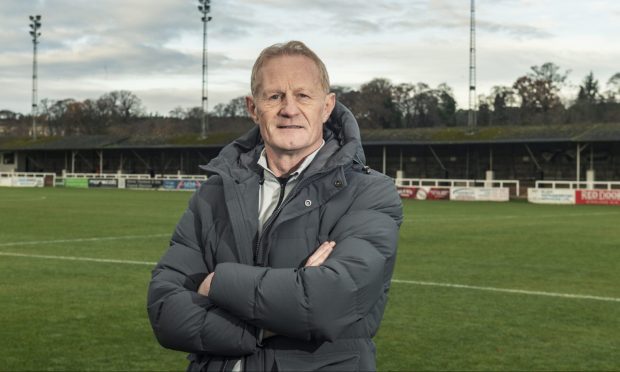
(320, 255)
(205, 286)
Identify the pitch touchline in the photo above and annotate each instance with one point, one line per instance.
(77, 240)
(508, 290)
(414, 282)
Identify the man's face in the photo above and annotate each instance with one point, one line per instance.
(290, 106)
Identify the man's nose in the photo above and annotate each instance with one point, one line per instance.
(289, 107)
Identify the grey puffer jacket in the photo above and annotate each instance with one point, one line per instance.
(324, 317)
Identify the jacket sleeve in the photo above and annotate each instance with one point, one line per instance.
(320, 302)
(181, 318)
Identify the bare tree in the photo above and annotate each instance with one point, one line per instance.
(218, 110)
(129, 105)
(120, 104)
(236, 108)
(550, 72)
(613, 85)
(177, 113)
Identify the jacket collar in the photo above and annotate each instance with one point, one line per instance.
(343, 145)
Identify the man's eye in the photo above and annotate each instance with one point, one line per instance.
(274, 97)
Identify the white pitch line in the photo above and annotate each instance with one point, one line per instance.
(506, 217)
(73, 258)
(77, 240)
(508, 290)
(414, 282)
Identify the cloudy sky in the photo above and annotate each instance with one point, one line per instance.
(154, 47)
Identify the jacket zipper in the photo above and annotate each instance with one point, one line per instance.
(283, 182)
(275, 213)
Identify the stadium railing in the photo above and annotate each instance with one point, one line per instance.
(136, 176)
(603, 185)
(439, 182)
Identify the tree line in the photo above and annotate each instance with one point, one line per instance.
(71, 117)
(536, 98)
(533, 99)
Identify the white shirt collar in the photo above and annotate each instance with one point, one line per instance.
(262, 161)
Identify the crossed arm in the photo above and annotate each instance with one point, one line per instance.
(316, 259)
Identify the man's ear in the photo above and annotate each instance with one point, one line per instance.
(250, 105)
(330, 103)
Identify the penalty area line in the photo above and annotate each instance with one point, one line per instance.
(508, 290)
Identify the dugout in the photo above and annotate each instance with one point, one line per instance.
(525, 153)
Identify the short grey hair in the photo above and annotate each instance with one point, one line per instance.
(291, 48)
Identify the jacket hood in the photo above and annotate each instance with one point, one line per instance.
(343, 145)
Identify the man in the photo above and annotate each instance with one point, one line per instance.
(284, 257)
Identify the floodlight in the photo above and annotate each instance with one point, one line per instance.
(204, 8)
(35, 25)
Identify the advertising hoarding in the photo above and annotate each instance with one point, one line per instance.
(406, 192)
(188, 185)
(26, 181)
(81, 183)
(551, 196)
(102, 183)
(598, 197)
(496, 194)
(143, 184)
(424, 193)
(433, 193)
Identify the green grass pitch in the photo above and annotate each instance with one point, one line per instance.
(64, 314)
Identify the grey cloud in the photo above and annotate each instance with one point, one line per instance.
(231, 31)
(446, 19)
(357, 26)
(304, 5)
(520, 31)
(341, 7)
(401, 16)
(345, 16)
(142, 61)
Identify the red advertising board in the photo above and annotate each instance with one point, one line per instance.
(435, 193)
(424, 193)
(601, 197)
(407, 192)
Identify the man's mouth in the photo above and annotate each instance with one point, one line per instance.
(289, 126)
